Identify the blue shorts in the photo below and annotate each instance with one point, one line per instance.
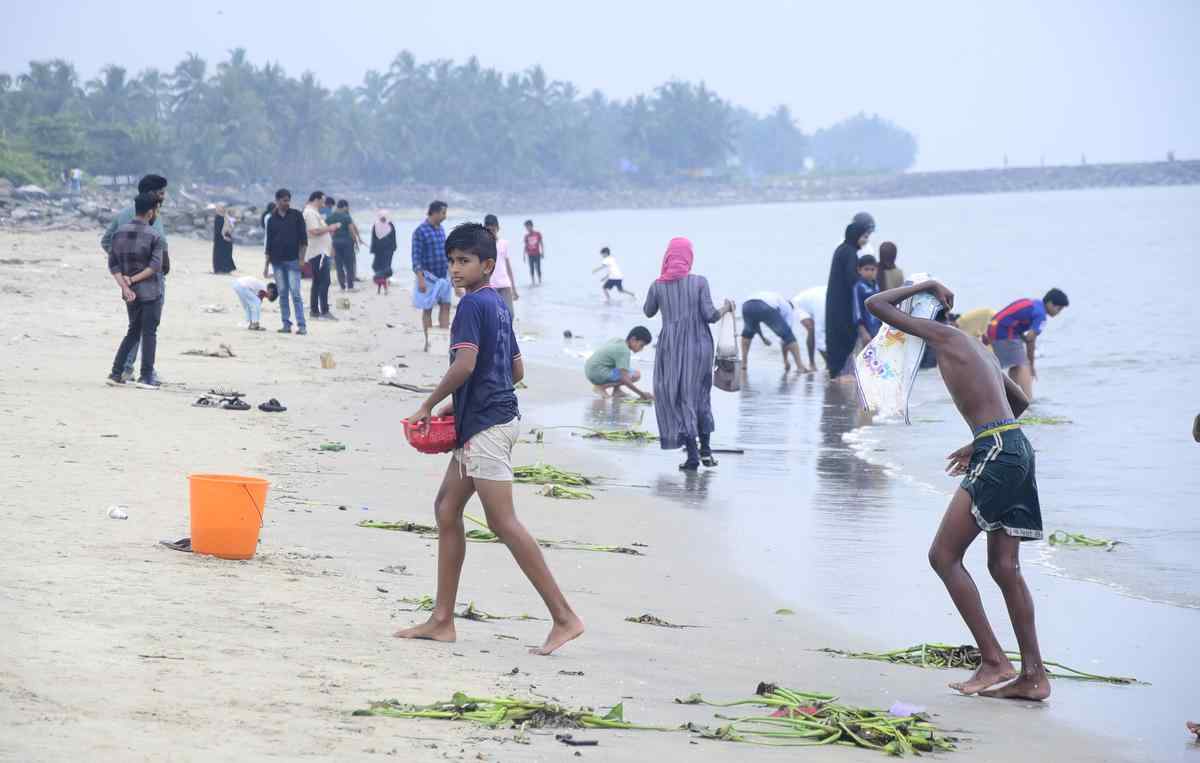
(755, 313)
(614, 376)
(437, 292)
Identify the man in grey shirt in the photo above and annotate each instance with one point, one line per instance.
(156, 184)
(135, 260)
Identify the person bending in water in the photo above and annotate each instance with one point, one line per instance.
(485, 362)
(998, 495)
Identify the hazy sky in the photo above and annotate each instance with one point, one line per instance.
(1113, 80)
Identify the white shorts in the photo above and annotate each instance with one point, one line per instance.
(488, 455)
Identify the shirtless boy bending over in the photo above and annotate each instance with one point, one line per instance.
(998, 494)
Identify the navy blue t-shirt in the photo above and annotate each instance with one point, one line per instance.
(482, 322)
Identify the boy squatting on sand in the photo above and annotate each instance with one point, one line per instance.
(998, 495)
(485, 363)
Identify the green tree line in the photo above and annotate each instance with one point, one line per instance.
(433, 122)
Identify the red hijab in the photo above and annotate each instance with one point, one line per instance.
(677, 262)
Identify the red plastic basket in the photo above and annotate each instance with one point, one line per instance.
(438, 436)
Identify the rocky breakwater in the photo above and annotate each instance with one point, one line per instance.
(31, 208)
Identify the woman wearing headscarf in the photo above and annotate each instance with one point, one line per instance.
(383, 246)
(222, 254)
(840, 333)
(683, 362)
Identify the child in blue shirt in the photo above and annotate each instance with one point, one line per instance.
(865, 322)
(485, 363)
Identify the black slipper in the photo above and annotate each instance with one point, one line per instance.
(234, 404)
(183, 544)
(204, 401)
(709, 461)
(272, 406)
(690, 466)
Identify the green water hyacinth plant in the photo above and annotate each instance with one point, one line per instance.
(498, 711)
(967, 657)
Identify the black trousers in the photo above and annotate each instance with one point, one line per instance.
(318, 297)
(535, 266)
(347, 272)
(143, 329)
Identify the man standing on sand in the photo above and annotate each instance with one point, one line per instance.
(320, 246)
(1013, 334)
(157, 185)
(429, 265)
(535, 249)
(286, 244)
(135, 260)
(998, 496)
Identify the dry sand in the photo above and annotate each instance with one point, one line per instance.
(115, 647)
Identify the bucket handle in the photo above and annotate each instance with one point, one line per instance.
(255, 505)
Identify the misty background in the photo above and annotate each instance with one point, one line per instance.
(972, 84)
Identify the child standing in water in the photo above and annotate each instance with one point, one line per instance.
(998, 495)
(485, 363)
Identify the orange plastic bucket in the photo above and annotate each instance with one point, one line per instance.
(227, 513)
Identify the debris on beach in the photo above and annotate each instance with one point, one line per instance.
(621, 435)
(333, 447)
(469, 612)
(222, 351)
(784, 611)
(648, 619)
(560, 491)
(215, 309)
(1064, 538)
(406, 387)
(637, 401)
(796, 719)
(1044, 420)
(484, 534)
(520, 713)
(967, 657)
(544, 474)
(327, 360)
(117, 512)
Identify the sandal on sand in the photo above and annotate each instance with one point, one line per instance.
(183, 544)
(709, 461)
(690, 466)
(257, 328)
(234, 404)
(204, 401)
(222, 392)
(272, 406)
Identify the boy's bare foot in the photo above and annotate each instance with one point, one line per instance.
(432, 630)
(1025, 687)
(560, 634)
(987, 675)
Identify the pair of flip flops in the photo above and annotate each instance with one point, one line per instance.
(229, 403)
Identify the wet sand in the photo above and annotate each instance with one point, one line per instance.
(119, 647)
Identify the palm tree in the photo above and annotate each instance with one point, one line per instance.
(108, 94)
(187, 81)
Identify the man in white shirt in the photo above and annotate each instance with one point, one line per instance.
(320, 245)
(612, 276)
(767, 307)
(810, 313)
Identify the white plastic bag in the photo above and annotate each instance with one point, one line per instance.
(727, 346)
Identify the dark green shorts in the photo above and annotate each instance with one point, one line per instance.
(1002, 485)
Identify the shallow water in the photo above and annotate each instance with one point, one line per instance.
(834, 513)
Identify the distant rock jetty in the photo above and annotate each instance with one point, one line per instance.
(190, 211)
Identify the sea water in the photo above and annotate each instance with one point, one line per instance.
(833, 512)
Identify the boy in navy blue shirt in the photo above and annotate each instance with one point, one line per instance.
(485, 363)
(865, 322)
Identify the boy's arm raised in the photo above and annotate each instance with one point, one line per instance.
(883, 307)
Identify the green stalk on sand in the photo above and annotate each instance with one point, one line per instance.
(560, 491)
(485, 535)
(945, 656)
(519, 713)
(543, 474)
(1064, 538)
(648, 619)
(612, 435)
(1043, 420)
(805, 719)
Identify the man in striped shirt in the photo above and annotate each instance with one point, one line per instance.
(1013, 334)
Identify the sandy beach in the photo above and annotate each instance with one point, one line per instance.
(120, 648)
